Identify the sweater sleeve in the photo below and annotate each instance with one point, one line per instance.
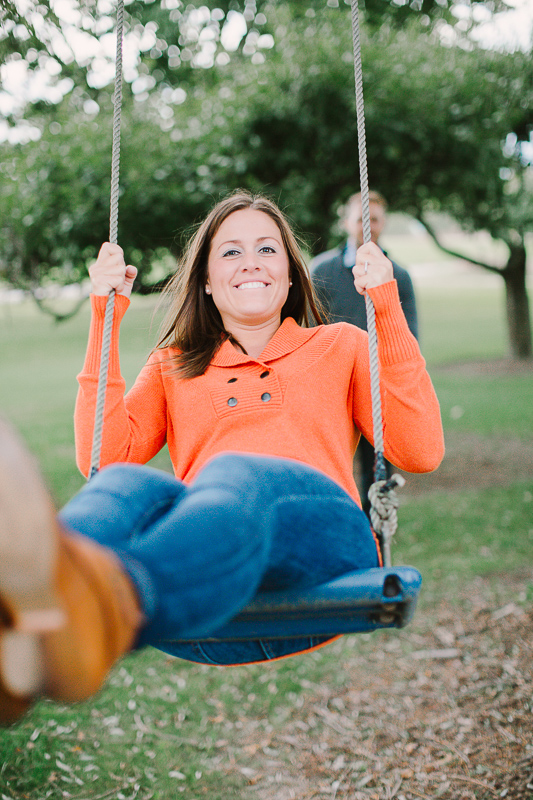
(412, 426)
(134, 428)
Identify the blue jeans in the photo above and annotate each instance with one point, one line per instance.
(199, 553)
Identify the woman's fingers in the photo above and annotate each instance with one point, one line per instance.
(131, 274)
(110, 272)
(372, 268)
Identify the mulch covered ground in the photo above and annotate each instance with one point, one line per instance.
(445, 711)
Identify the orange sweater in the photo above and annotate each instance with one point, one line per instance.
(307, 398)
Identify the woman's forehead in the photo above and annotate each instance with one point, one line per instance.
(247, 223)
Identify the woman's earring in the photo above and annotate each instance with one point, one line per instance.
(208, 290)
(290, 283)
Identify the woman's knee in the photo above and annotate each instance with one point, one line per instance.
(234, 471)
(124, 497)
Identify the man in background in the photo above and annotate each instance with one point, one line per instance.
(333, 281)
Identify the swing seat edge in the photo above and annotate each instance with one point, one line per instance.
(357, 602)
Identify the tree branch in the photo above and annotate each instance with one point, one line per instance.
(454, 253)
(56, 315)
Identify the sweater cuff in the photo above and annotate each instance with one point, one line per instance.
(94, 347)
(395, 341)
(99, 303)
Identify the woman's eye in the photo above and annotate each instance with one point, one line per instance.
(230, 253)
(267, 249)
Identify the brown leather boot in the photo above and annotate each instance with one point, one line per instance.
(68, 610)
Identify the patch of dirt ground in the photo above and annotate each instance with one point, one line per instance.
(473, 461)
(442, 711)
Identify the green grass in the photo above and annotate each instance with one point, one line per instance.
(162, 728)
(462, 326)
(40, 361)
(472, 533)
(487, 405)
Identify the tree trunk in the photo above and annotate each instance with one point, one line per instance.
(517, 302)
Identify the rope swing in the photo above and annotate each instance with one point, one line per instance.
(359, 601)
(383, 499)
(113, 238)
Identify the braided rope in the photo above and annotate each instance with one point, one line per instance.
(365, 207)
(113, 237)
(381, 494)
(361, 134)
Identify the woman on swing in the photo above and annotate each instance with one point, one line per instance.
(261, 416)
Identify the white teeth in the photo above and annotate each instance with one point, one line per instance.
(252, 285)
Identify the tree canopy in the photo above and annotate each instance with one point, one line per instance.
(448, 124)
(69, 43)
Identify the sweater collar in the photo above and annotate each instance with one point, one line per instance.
(288, 337)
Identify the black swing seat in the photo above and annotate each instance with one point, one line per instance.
(358, 602)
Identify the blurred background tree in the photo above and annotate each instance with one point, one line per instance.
(259, 94)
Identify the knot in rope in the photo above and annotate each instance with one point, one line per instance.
(384, 504)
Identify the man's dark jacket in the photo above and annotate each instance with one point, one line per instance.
(333, 282)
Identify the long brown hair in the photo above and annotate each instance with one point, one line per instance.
(192, 323)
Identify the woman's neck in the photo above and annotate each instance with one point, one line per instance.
(254, 339)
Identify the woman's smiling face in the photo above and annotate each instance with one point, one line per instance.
(248, 269)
